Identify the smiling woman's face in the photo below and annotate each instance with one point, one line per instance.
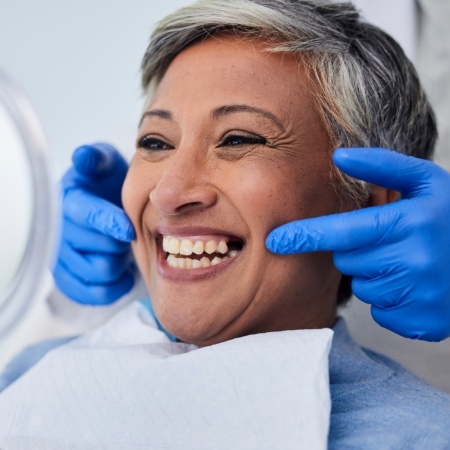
(230, 147)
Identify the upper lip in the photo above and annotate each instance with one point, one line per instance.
(161, 231)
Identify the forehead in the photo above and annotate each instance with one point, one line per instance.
(224, 69)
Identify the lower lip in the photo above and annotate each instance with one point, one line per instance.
(202, 273)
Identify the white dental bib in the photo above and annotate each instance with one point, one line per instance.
(126, 386)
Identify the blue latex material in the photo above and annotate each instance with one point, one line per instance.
(398, 254)
(94, 264)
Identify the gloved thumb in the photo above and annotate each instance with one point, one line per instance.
(99, 169)
(97, 160)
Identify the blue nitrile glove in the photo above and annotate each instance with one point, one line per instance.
(399, 253)
(94, 264)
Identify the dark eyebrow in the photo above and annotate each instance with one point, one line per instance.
(161, 113)
(230, 109)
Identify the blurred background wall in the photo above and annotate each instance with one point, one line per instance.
(79, 62)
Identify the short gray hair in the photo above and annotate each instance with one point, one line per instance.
(368, 92)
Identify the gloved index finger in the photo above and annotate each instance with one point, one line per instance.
(86, 209)
(406, 174)
(335, 232)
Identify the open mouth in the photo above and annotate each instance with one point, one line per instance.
(197, 252)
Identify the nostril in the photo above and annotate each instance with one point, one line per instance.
(172, 197)
(188, 206)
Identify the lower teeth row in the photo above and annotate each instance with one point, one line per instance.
(188, 263)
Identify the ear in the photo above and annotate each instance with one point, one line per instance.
(381, 196)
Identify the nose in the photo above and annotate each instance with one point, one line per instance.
(184, 186)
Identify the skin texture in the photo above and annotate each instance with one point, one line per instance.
(184, 174)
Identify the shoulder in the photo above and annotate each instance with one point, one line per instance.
(376, 403)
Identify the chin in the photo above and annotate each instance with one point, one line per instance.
(194, 328)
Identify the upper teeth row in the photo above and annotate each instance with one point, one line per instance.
(186, 247)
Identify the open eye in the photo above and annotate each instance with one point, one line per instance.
(237, 140)
(152, 143)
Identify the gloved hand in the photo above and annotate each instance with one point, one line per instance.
(399, 253)
(94, 264)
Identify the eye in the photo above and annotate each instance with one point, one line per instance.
(238, 140)
(152, 143)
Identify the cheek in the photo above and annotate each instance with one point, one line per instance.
(135, 193)
(135, 197)
(271, 194)
(130, 199)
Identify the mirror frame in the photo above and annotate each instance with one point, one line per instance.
(29, 279)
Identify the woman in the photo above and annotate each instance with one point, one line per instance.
(246, 102)
(330, 87)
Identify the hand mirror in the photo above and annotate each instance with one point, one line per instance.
(27, 206)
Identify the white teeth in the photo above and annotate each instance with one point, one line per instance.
(174, 246)
(172, 261)
(222, 247)
(205, 262)
(210, 247)
(216, 260)
(198, 248)
(186, 247)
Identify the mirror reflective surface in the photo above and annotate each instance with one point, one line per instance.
(16, 201)
(26, 204)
